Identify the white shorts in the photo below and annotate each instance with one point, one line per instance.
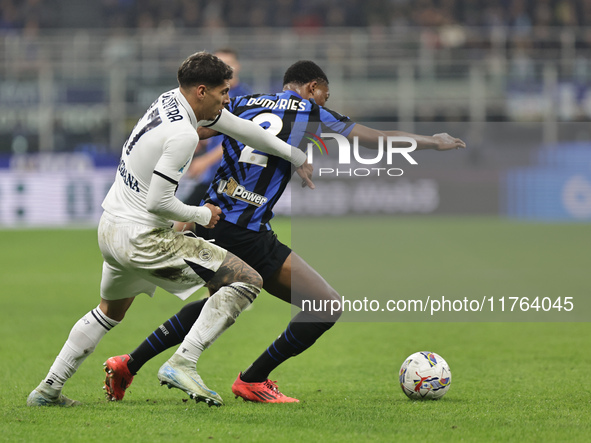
(138, 258)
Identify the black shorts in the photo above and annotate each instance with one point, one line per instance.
(261, 250)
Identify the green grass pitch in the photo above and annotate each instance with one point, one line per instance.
(511, 381)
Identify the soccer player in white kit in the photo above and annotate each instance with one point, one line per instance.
(141, 250)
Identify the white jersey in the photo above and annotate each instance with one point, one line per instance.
(158, 151)
(162, 143)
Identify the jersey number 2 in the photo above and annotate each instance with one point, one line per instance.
(275, 126)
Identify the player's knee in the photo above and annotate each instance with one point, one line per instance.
(234, 270)
(246, 290)
(247, 276)
(251, 277)
(115, 309)
(336, 306)
(330, 308)
(258, 282)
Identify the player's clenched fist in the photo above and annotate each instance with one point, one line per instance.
(215, 215)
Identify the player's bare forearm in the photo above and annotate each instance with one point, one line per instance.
(438, 142)
(370, 138)
(205, 133)
(423, 141)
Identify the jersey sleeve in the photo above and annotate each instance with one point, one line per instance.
(229, 107)
(232, 105)
(334, 122)
(177, 154)
(161, 200)
(249, 133)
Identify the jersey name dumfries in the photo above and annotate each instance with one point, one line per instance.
(128, 178)
(345, 149)
(281, 104)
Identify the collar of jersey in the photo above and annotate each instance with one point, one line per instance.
(183, 101)
(293, 93)
(311, 100)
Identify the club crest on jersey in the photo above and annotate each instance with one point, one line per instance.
(235, 190)
(205, 254)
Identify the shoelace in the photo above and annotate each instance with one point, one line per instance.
(272, 386)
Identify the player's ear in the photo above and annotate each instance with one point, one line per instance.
(312, 87)
(200, 91)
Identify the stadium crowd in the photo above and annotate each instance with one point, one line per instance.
(523, 15)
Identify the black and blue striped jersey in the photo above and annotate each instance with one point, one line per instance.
(248, 182)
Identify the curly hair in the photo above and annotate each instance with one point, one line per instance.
(304, 71)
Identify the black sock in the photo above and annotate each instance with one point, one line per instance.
(169, 334)
(301, 333)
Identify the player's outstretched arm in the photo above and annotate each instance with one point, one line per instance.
(447, 142)
(438, 142)
(369, 138)
(232, 125)
(252, 134)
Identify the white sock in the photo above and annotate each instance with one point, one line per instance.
(83, 338)
(218, 314)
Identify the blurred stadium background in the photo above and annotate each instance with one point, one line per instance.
(511, 77)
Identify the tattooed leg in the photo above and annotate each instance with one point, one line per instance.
(235, 286)
(173, 331)
(234, 270)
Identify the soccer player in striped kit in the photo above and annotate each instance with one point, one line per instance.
(246, 187)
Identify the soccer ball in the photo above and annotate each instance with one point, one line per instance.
(425, 375)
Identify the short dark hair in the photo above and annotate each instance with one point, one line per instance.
(302, 72)
(203, 68)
